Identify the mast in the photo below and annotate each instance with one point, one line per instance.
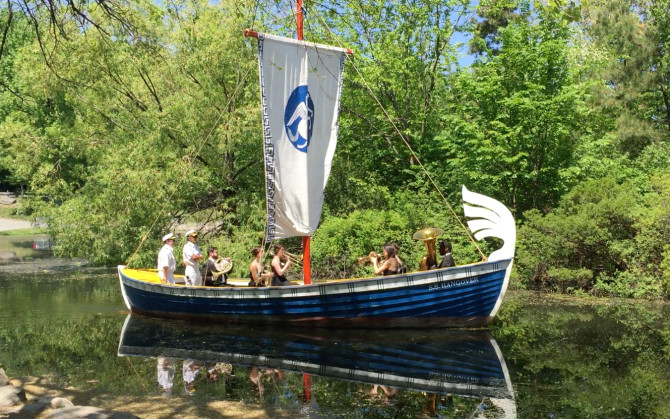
(306, 259)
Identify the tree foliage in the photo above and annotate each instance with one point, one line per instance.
(126, 118)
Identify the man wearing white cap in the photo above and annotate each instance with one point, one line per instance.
(166, 261)
(192, 257)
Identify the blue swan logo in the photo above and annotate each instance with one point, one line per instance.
(298, 117)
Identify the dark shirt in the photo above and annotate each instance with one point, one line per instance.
(390, 271)
(278, 280)
(252, 283)
(210, 266)
(447, 262)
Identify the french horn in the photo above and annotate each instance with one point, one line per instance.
(223, 266)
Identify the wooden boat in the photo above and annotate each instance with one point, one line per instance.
(467, 363)
(300, 89)
(461, 296)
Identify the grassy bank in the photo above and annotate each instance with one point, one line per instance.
(9, 211)
(23, 232)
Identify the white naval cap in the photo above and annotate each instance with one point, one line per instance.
(168, 237)
(191, 233)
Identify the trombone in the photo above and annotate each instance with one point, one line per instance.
(295, 259)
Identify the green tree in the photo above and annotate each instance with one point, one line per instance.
(633, 37)
(394, 93)
(128, 132)
(516, 119)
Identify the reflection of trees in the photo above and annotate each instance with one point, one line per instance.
(566, 356)
(582, 359)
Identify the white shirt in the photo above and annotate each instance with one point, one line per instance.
(191, 249)
(166, 258)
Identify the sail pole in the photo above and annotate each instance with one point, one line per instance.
(306, 260)
(299, 17)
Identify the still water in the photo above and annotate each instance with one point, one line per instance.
(543, 357)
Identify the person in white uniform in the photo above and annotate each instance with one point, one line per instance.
(192, 257)
(166, 262)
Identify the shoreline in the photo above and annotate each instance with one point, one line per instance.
(153, 407)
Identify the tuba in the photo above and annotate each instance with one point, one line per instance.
(428, 236)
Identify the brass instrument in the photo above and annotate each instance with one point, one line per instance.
(296, 259)
(364, 260)
(428, 236)
(223, 266)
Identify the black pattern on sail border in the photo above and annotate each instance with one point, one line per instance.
(268, 149)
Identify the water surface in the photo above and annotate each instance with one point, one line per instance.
(542, 357)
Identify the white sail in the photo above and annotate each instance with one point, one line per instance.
(300, 92)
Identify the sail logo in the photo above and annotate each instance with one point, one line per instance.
(298, 118)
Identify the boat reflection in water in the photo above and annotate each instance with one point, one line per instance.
(437, 362)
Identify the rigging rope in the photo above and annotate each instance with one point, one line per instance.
(402, 137)
(189, 158)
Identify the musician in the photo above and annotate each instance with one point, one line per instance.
(390, 264)
(401, 267)
(280, 264)
(256, 276)
(211, 269)
(445, 251)
(430, 260)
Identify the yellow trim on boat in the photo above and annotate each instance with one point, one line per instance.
(145, 275)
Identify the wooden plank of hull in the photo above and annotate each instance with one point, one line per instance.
(453, 297)
(464, 362)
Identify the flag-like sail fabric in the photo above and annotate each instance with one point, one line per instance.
(301, 84)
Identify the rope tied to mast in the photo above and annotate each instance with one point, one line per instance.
(406, 143)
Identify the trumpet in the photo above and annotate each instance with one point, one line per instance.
(363, 260)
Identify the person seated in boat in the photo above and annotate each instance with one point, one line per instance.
(213, 276)
(256, 276)
(166, 264)
(401, 266)
(445, 252)
(390, 264)
(192, 257)
(280, 264)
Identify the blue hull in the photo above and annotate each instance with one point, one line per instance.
(452, 297)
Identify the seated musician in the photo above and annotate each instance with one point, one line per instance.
(280, 264)
(390, 264)
(401, 266)
(445, 251)
(213, 276)
(256, 276)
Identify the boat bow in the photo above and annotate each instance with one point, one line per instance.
(487, 217)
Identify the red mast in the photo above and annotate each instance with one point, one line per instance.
(299, 16)
(306, 261)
